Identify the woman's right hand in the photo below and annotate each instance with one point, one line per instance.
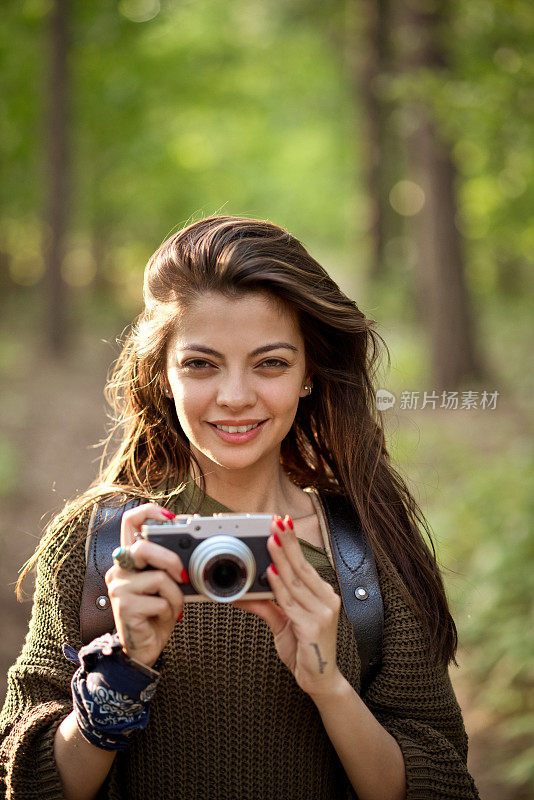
(146, 605)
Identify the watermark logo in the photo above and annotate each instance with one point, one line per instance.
(451, 401)
(385, 400)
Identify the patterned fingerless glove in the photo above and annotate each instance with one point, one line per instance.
(111, 692)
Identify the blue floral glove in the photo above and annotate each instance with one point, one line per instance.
(111, 692)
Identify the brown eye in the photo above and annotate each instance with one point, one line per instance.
(197, 363)
(273, 362)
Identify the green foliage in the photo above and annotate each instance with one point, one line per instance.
(204, 107)
(479, 500)
(482, 102)
(495, 513)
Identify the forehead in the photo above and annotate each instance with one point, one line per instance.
(244, 322)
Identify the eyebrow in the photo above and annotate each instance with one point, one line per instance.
(265, 349)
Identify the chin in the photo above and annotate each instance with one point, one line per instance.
(235, 460)
(234, 463)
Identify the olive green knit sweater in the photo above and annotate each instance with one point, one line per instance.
(228, 721)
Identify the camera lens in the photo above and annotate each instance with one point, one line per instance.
(224, 575)
(222, 567)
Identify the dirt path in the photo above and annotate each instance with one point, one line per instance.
(51, 416)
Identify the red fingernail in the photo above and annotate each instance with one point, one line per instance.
(277, 540)
(184, 576)
(278, 520)
(274, 569)
(167, 513)
(180, 617)
(290, 522)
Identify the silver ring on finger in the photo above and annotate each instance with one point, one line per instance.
(123, 557)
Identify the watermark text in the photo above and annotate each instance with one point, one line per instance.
(450, 401)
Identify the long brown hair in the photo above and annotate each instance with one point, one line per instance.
(337, 438)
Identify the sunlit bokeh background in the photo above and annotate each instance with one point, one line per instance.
(394, 138)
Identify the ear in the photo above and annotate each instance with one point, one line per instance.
(308, 382)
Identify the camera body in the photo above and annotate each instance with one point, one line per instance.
(225, 555)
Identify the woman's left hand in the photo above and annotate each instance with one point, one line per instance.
(304, 622)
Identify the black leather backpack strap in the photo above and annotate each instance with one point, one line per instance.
(103, 536)
(358, 580)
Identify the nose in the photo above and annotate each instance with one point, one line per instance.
(235, 390)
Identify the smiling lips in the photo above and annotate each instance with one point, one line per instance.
(236, 428)
(240, 430)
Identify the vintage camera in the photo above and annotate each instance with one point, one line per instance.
(225, 555)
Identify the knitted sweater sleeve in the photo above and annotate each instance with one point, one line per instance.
(39, 695)
(413, 699)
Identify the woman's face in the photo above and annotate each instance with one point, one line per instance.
(236, 362)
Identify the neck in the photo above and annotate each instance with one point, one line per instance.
(263, 488)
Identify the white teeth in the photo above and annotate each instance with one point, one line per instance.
(239, 429)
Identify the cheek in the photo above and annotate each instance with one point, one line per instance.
(190, 401)
(284, 399)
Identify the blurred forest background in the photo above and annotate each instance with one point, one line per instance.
(395, 139)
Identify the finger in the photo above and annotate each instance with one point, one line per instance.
(296, 582)
(146, 582)
(149, 607)
(150, 554)
(135, 517)
(295, 570)
(129, 587)
(291, 604)
(171, 592)
(322, 620)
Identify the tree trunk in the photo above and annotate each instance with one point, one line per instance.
(442, 292)
(371, 64)
(57, 176)
(440, 275)
(367, 38)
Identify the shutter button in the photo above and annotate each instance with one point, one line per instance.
(361, 593)
(102, 602)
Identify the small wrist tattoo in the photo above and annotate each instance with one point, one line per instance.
(322, 664)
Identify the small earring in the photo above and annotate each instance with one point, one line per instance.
(308, 389)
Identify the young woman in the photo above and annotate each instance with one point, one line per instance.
(244, 386)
